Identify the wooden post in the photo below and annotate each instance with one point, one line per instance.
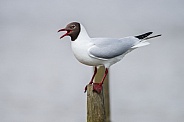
(95, 106)
(106, 91)
(98, 105)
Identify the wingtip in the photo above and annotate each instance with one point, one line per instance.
(152, 37)
(159, 34)
(142, 36)
(149, 33)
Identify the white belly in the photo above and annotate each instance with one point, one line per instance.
(80, 51)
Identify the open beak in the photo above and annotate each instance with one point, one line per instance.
(67, 32)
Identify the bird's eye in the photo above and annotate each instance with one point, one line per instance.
(73, 26)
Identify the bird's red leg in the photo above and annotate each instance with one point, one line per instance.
(95, 71)
(97, 87)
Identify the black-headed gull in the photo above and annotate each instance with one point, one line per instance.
(101, 51)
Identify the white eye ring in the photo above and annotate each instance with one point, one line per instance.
(73, 26)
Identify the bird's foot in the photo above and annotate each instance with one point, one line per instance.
(85, 89)
(97, 87)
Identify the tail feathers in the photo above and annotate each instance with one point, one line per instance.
(141, 44)
(144, 38)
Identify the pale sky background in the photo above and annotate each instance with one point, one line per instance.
(41, 81)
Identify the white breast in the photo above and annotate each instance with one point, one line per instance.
(80, 49)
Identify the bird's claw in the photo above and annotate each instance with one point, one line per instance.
(85, 89)
(97, 87)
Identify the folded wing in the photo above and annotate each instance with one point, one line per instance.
(105, 48)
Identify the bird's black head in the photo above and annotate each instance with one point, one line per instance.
(73, 30)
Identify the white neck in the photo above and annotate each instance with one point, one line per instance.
(83, 35)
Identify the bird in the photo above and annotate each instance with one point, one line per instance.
(101, 51)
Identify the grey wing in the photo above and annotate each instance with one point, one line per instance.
(110, 48)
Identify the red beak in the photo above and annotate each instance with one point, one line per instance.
(66, 34)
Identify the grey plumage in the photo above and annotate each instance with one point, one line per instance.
(106, 48)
